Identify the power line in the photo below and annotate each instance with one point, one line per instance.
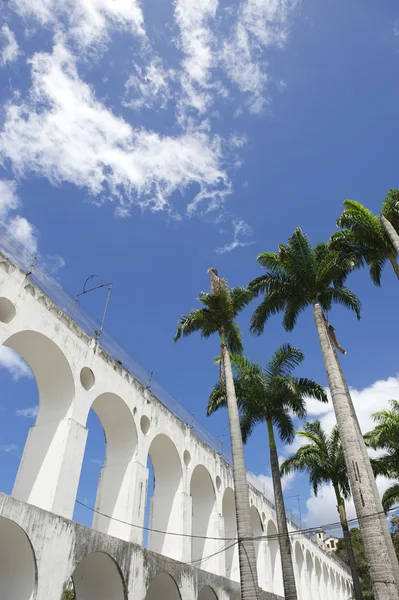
(308, 530)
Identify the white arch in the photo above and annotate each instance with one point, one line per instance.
(325, 582)
(231, 567)
(275, 559)
(163, 586)
(17, 563)
(257, 531)
(299, 564)
(45, 477)
(203, 519)
(166, 511)
(316, 580)
(97, 577)
(331, 587)
(207, 593)
(113, 492)
(309, 575)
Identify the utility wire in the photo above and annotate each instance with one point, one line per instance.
(308, 530)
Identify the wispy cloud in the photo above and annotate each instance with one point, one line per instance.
(396, 28)
(16, 366)
(9, 49)
(10, 449)
(96, 461)
(149, 86)
(240, 228)
(28, 413)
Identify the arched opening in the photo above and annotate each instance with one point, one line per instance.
(163, 586)
(257, 530)
(166, 510)
(231, 566)
(17, 563)
(299, 562)
(120, 441)
(332, 592)
(97, 577)
(275, 560)
(307, 587)
(325, 581)
(203, 524)
(42, 478)
(316, 580)
(207, 593)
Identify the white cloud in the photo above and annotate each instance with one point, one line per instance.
(239, 228)
(9, 46)
(53, 263)
(25, 232)
(9, 200)
(149, 86)
(87, 22)
(16, 366)
(65, 134)
(264, 483)
(28, 413)
(322, 510)
(396, 28)
(18, 226)
(9, 448)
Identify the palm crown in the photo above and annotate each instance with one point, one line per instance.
(299, 275)
(322, 458)
(363, 237)
(386, 436)
(220, 308)
(269, 394)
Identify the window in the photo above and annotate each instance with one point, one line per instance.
(332, 544)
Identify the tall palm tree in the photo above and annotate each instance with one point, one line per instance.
(298, 276)
(272, 395)
(385, 436)
(220, 308)
(322, 457)
(368, 238)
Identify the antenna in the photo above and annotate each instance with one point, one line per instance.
(87, 291)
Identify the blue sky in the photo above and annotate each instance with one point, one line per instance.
(147, 142)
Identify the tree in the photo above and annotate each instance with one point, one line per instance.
(385, 436)
(366, 238)
(271, 395)
(360, 558)
(299, 276)
(323, 459)
(220, 308)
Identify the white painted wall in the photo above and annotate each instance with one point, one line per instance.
(193, 484)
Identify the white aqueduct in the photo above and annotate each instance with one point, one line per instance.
(41, 548)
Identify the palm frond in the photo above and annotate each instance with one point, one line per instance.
(284, 361)
(341, 295)
(197, 320)
(240, 297)
(391, 496)
(311, 389)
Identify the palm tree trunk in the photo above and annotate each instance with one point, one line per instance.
(283, 538)
(348, 542)
(382, 570)
(246, 548)
(391, 231)
(394, 264)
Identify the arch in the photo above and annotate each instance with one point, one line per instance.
(97, 577)
(207, 593)
(203, 522)
(316, 580)
(51, 370)
(257, 530)
(166, 509)
(17, 563)
(275, 559)
(332, 586)
(231, 567)
(325, 582)
(309, 576)
(45, 478)
(299, 564)
(162, 586)
(113, 491)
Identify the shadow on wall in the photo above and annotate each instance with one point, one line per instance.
(97, 577)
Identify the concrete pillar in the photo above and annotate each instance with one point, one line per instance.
(48, 474)
(314, 586)
(179, 521)
(121, 494)
(305, 584)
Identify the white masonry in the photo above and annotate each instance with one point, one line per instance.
(193, 492)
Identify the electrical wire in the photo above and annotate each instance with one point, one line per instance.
(305, 531)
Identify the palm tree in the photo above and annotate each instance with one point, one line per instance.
(298, 276)
(323, 459)
(368, 238)
(220, 308)
(385, 436)
(271, 395)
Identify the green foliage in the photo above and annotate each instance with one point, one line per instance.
(298, 276)
(385, 436)
(390, 208)
(69, 594)
(220, 308)
(271, 393)
(361, 561)
(322, 458)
